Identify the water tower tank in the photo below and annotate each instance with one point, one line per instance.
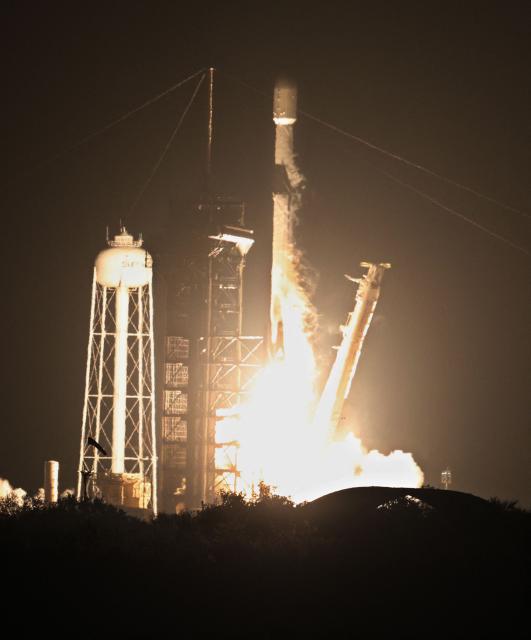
(124, 262)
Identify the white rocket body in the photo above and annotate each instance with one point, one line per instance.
(285, 198)
(285, 103)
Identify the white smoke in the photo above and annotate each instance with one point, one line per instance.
(5, 488)
(288, 259)
(7, 492)
(284, 155)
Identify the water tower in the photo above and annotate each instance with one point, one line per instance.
(118, 446)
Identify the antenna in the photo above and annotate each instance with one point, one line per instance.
(208, 167)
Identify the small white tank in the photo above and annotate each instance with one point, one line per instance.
(124, 262)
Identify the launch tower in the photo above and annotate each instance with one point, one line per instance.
(208, 363)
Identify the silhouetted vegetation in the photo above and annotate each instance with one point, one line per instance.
(376, 561)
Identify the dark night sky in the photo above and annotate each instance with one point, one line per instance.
(445, 372)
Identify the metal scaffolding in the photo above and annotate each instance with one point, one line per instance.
(208, 363)
(234, 364)
(229, 361)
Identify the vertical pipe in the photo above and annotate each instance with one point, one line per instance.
(241, 266)
(51, 481)
(87, 384)
(152, 394)
(120, 379)
(210, 127)
(205, 426)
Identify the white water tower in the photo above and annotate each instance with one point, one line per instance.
(118, 445)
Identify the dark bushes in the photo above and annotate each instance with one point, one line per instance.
(374, 561)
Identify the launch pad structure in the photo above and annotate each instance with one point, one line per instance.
(205, 365)
(208, 364)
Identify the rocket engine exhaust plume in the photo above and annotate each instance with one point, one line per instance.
(287, 435)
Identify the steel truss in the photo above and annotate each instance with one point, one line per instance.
(234, 364)
(229, 362)
(137, 486)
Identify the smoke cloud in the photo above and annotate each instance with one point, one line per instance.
(7, 492)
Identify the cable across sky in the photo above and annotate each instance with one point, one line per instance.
(330, 126)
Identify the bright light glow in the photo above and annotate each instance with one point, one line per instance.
(283, 439)
(284, 121)
(281, 445)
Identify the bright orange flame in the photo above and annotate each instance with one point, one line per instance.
(281, 445)
(281, 440)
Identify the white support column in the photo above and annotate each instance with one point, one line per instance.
(120, 378)
(154, 501)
